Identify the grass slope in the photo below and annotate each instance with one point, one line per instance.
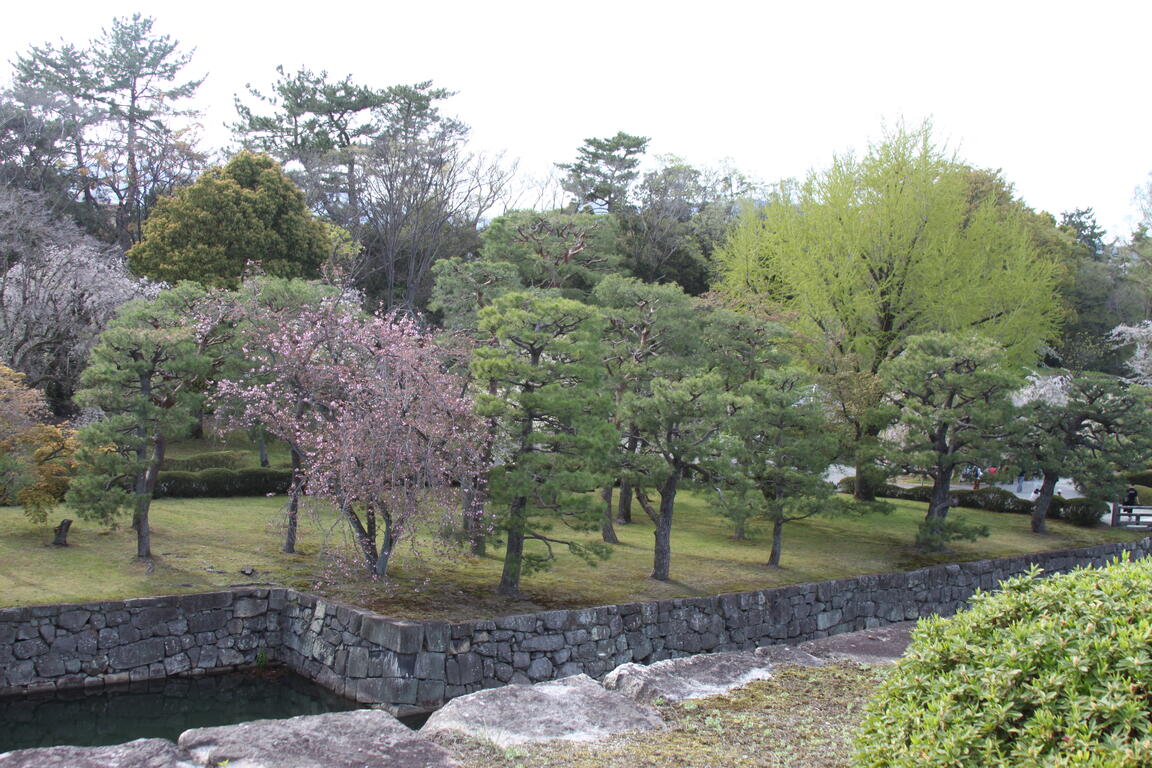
(202, 544)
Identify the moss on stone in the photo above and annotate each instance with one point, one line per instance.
(801, 718)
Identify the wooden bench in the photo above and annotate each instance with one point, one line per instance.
(1131, 514)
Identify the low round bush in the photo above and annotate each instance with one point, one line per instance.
(992, 499)
(989, 498)
(1141, 478)
(1047, 672)
(1082, 512)
(914, 493)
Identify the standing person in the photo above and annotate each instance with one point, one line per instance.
(1020, 482)
(1131, 497)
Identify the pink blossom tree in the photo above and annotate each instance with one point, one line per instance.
(380, 428)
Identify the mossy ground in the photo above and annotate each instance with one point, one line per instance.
(204, 544)
(803, 717)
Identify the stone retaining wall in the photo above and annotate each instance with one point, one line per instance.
(419, 665)
(91, 645)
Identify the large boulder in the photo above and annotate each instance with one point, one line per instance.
(882, 645)
(688, 678)
(576, 708)
(362, 738)
(142, 753)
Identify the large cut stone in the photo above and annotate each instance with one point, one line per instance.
(575, 708)
(142, 753)
(882, 645)
(691, 677)
(362, 738)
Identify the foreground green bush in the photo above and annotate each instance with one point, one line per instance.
(1047, 672)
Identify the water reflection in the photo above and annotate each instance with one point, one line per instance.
(159, 708)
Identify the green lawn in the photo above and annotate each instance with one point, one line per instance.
(234, 441)
(203, 544)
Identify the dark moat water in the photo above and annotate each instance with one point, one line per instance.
(159, 708)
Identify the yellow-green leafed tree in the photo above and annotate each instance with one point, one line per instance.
(245, 211)
(879, 248)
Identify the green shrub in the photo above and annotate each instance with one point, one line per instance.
(211, 460)
(993, 499)
(915, 493)
(1047, 672)
(889, 490)
(1082, 512)
(990, 498)
(1141, 478)
(934, 535)
(251, 481)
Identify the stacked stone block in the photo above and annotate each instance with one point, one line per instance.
(44, 648)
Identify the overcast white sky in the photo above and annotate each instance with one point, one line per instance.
(1053, 93)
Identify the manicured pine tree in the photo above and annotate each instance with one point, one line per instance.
(544, 358)
(649, 327)
(953, 392)
(1089, 426)
(147, 375)
(779, 450)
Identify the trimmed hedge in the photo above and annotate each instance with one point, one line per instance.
(251, 481)
(1141, 478)
(200, 461)
(993, 499)
(1082, 512)
(1050, 672)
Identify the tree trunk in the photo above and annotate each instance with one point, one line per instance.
(197, 432)
(476, 495)
(869, 477)
(294, 492)
(868, 480)
(941, 496)
(662, 550)
(777, 541)
(607, 532)
(518, 511)
(624, 507)
(61, 531)
(365, 539)
(739, 529)
(472, 510)
(1044, 502)
(262, 449)
(130, 233)
(514, 552)
(387, 543)
(145, 485)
